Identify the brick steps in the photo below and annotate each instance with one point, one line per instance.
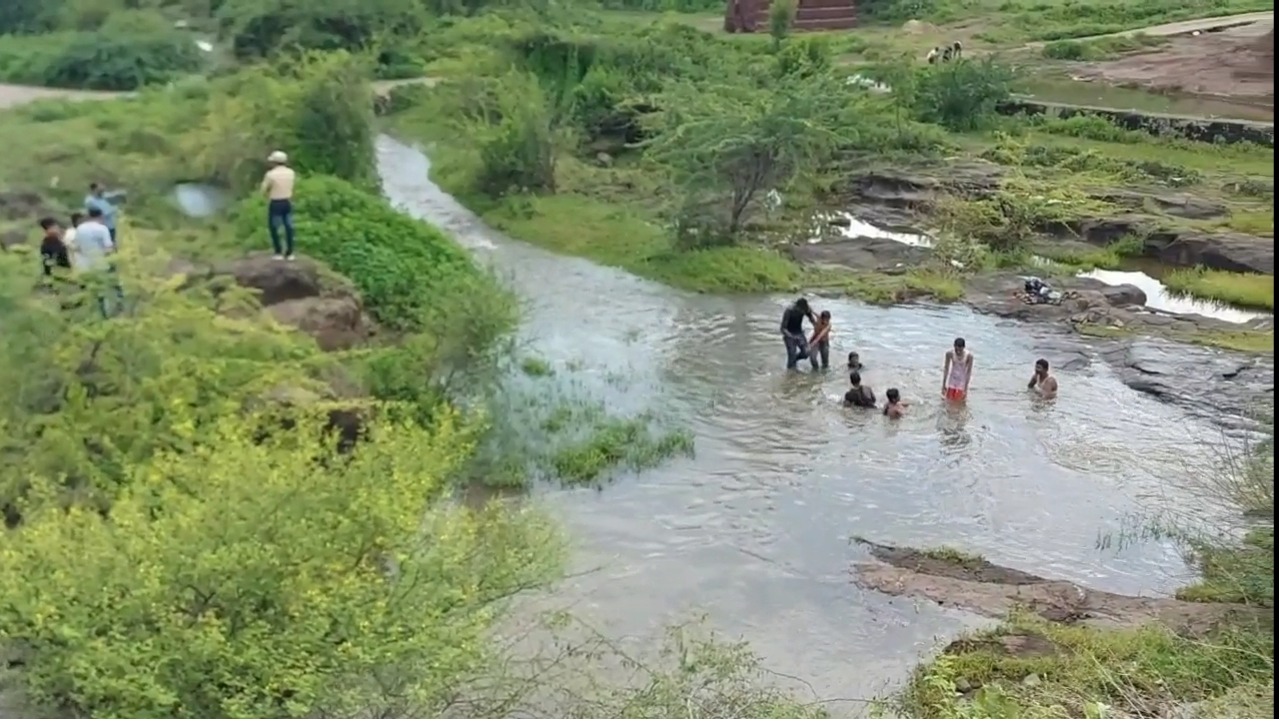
(752, 15)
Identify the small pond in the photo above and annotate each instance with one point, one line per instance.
(197, 199)
(1158, 297)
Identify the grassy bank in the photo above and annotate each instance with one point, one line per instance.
(1245, 290)
(1033, 667)
(597, 169)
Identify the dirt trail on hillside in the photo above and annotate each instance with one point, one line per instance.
(1236, 62)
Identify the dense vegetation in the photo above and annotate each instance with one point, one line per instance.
(191, 535)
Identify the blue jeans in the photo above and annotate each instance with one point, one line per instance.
(280, 212)
(796, 350)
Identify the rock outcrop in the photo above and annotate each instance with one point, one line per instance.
(300, 293)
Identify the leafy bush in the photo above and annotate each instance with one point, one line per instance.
(260, 28)
(99, 60)
(319, 109)
(959, 95)
(406, 270)
(258, 576)
(83, 400)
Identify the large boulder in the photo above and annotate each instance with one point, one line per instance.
(336, 323)
(304, 294)
(1222, 251)
(276, 280)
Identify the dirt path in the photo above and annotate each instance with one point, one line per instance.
(1183, 27)
(15, 95)
(975, 585)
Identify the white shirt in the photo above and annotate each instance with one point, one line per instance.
(91, 244)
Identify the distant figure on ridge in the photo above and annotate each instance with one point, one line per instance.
(277, 185)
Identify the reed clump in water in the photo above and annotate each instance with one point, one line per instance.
(1233, 288)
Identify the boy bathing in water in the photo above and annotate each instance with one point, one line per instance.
(854, 362)
(1042, 382)
(819, 343)
(895, 408)
(957, 372)
(859, 395)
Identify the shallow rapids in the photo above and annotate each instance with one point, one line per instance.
(755, 529)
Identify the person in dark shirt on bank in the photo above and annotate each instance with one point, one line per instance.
(53, 251)
(793, 331)
(859, 395)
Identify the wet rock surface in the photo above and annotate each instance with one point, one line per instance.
(978, 586)
(1219, 384)
(860, 253)
(899, 197)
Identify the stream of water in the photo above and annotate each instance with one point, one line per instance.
(755, 529)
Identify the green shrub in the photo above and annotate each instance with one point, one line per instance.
(960, 95)
(99, 60)
(319, 109)
(407, 270)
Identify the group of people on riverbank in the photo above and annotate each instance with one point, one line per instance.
(957, 364)
(86, 243)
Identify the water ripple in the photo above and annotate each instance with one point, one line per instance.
(756, 527)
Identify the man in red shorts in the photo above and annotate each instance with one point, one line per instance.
(957, 372)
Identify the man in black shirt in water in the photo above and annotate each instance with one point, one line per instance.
(859, 395)
(793, 331)
(53, 251)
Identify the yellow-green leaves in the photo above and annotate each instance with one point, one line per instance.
(252, 577)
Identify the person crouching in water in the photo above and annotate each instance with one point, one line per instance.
(859, 395)
(1042, 382)
(895, 408)
(854, 362)
(819, 343)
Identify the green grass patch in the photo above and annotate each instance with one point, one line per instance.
(1234, 288)
(614, 443)
(1242, 574)
(953, 556)
(1103, 48)
(1110, 257)
(1252, 222)
(1082, 671)
(1237, 340)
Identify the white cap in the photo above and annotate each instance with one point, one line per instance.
(278, 157)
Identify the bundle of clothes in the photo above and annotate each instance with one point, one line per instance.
(1037, 292)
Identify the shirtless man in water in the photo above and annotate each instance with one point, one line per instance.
(957, 371)
(1042, 382)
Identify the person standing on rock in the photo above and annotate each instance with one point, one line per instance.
(793, 331)
(957, 371)
(277, 185)
(1042, 382)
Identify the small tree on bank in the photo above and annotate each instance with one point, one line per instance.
(727, 147)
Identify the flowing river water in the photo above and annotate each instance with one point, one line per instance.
(755, 529)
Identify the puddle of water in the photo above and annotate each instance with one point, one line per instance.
(1159, 298)
(859, 228)
(200, 200)
(1099, 94)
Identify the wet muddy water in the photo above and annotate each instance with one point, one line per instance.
(755, 528)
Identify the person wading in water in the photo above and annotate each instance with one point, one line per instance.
(793, 331)
(1042, 382)
(957, 372)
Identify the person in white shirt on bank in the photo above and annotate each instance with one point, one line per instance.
(277, 185)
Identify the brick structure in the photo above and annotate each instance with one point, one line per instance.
(752, 15)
